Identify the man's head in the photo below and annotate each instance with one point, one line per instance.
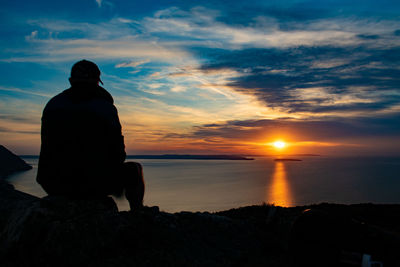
(85, 71)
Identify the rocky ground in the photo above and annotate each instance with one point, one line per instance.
(62, 232)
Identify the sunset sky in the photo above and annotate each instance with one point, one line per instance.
(213, 77)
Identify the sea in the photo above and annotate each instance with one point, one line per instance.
(213, 185)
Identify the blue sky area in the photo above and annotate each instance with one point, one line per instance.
(212, 76)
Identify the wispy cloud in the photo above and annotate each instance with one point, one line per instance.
(132, 64)
(178, 88)
(171, 30)
(24, 91)
(115, 39)
(203, 26)
(104, 3)
(66, 50)
(7, 130)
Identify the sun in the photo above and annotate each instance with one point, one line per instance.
(279, 144)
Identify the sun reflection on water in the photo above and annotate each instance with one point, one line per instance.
(279, 192)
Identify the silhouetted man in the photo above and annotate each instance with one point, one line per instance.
(82, 153)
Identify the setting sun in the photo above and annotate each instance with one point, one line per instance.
(279, 144)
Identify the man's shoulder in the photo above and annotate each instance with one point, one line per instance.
(101, 103)
(57, 99)
(72, 95)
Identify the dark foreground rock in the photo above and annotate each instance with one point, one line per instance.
(62, 232)
(9, 163)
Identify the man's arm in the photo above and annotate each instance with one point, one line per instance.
(117, 139)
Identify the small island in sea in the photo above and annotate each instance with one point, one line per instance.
(178, 156)
(287, 159)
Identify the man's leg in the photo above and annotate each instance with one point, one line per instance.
(134, 184)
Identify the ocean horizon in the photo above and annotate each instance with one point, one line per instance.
(220, 184)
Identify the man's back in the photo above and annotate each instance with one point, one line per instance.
(82, 144)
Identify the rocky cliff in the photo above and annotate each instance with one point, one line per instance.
(9, 163)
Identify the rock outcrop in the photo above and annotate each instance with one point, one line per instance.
(63, 232)
(56, 231)
(9, 163)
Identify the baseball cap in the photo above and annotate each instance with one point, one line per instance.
(85, 71)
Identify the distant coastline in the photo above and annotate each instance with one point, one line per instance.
(200, 157)
(171, 156)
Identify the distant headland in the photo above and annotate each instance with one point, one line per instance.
(10, 163)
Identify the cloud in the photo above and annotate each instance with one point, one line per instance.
(69, 50)
(329, 129)
(24, 91)
(171, 32)
(103, 3)
(178, 88)
(15, 118)
(314, 79)
(116, 39)
(234, 38)
(32, 36)
(206, 27)
(132, 64)
(7, 130)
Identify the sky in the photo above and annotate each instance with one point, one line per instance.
(212, 77)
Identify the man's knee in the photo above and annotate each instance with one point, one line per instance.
(133, 167)
(134, 184)
(133, 172)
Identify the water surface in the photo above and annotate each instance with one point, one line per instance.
(214, 185)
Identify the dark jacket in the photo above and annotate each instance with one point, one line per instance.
(82, 145)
